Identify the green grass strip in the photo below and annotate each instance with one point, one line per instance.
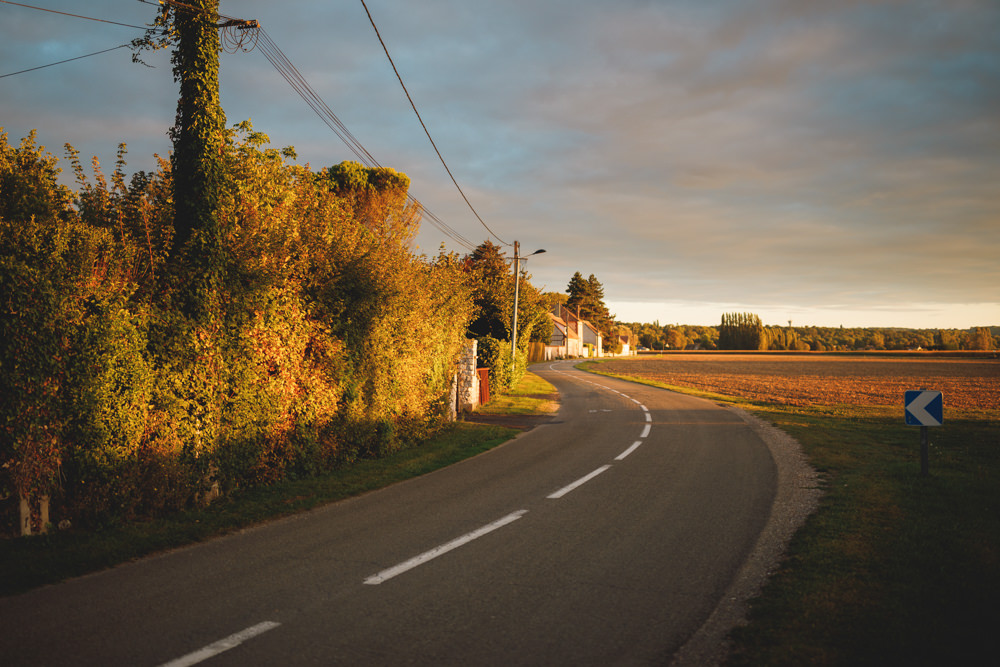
(532, 396)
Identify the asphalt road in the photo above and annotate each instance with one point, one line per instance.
(606, 536)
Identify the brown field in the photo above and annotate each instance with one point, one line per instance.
(972, 384)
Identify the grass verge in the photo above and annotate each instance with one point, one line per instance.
(532, 396)
(27, 563)
(893, 568)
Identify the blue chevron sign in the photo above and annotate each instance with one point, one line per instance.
(924, 408)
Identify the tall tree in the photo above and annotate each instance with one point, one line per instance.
(981, 339)
(742, 331)
(587, 297)
(579, 294)
(493, 292)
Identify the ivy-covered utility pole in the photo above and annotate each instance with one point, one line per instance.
(198, 135)
(199, 132)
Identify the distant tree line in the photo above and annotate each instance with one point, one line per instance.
(744, 331)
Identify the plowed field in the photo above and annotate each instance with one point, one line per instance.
(822, 380)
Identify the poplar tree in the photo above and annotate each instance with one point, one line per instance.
(742, 331)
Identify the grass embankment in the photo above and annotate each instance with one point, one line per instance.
(893, 568)
(26, 563)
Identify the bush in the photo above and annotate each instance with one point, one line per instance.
(300, 332)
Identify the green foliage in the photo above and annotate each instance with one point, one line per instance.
(138, 214)
(495, 355)
(227, 321)
(28, 184)
(143, 381)
(492, 293)
(72, 363)
(676, 339)
(375, 197)
(981, 339)
(587, 296)
(492, 289)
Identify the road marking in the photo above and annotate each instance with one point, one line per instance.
(644, 408)
(397, 570)
(580, 482)
(645, 431)
(649, 417)
(637, 402)
(212, 650)
(635, 446)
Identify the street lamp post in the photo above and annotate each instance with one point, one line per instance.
(517, 284)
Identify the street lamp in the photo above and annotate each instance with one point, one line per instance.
(517, 284)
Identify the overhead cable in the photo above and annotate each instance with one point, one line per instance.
(440, 157)
(298, 83)
(76, 16)
(252, 35)
(95, 53)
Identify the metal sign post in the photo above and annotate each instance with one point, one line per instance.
(924, 408)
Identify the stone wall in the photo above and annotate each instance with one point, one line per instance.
(467, 399)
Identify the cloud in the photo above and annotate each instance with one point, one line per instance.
(791, 152)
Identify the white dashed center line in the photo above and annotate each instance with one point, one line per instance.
(580, 482)
(397, 570)
(212, 650)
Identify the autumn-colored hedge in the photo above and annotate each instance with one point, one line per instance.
(136, 377)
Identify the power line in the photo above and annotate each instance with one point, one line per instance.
(299, 84)
(291, 74)
(76, 16)
(95, 53)
(384, 48)
(294, 78)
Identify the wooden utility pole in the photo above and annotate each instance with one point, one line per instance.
(199, 132)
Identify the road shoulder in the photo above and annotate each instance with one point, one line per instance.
(797, 496)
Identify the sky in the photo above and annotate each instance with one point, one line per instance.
(825, 163)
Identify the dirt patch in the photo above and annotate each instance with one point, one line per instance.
(799, 380)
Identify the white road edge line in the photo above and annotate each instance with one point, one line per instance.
(212, 650)
(645, 431)
(397, 570)
(649, 417)
(635, 446)
(580, 482)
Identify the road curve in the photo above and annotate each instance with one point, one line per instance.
(609, 535)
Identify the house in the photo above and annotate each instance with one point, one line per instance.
(558, 344)
(626, 341)
(572, 336)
